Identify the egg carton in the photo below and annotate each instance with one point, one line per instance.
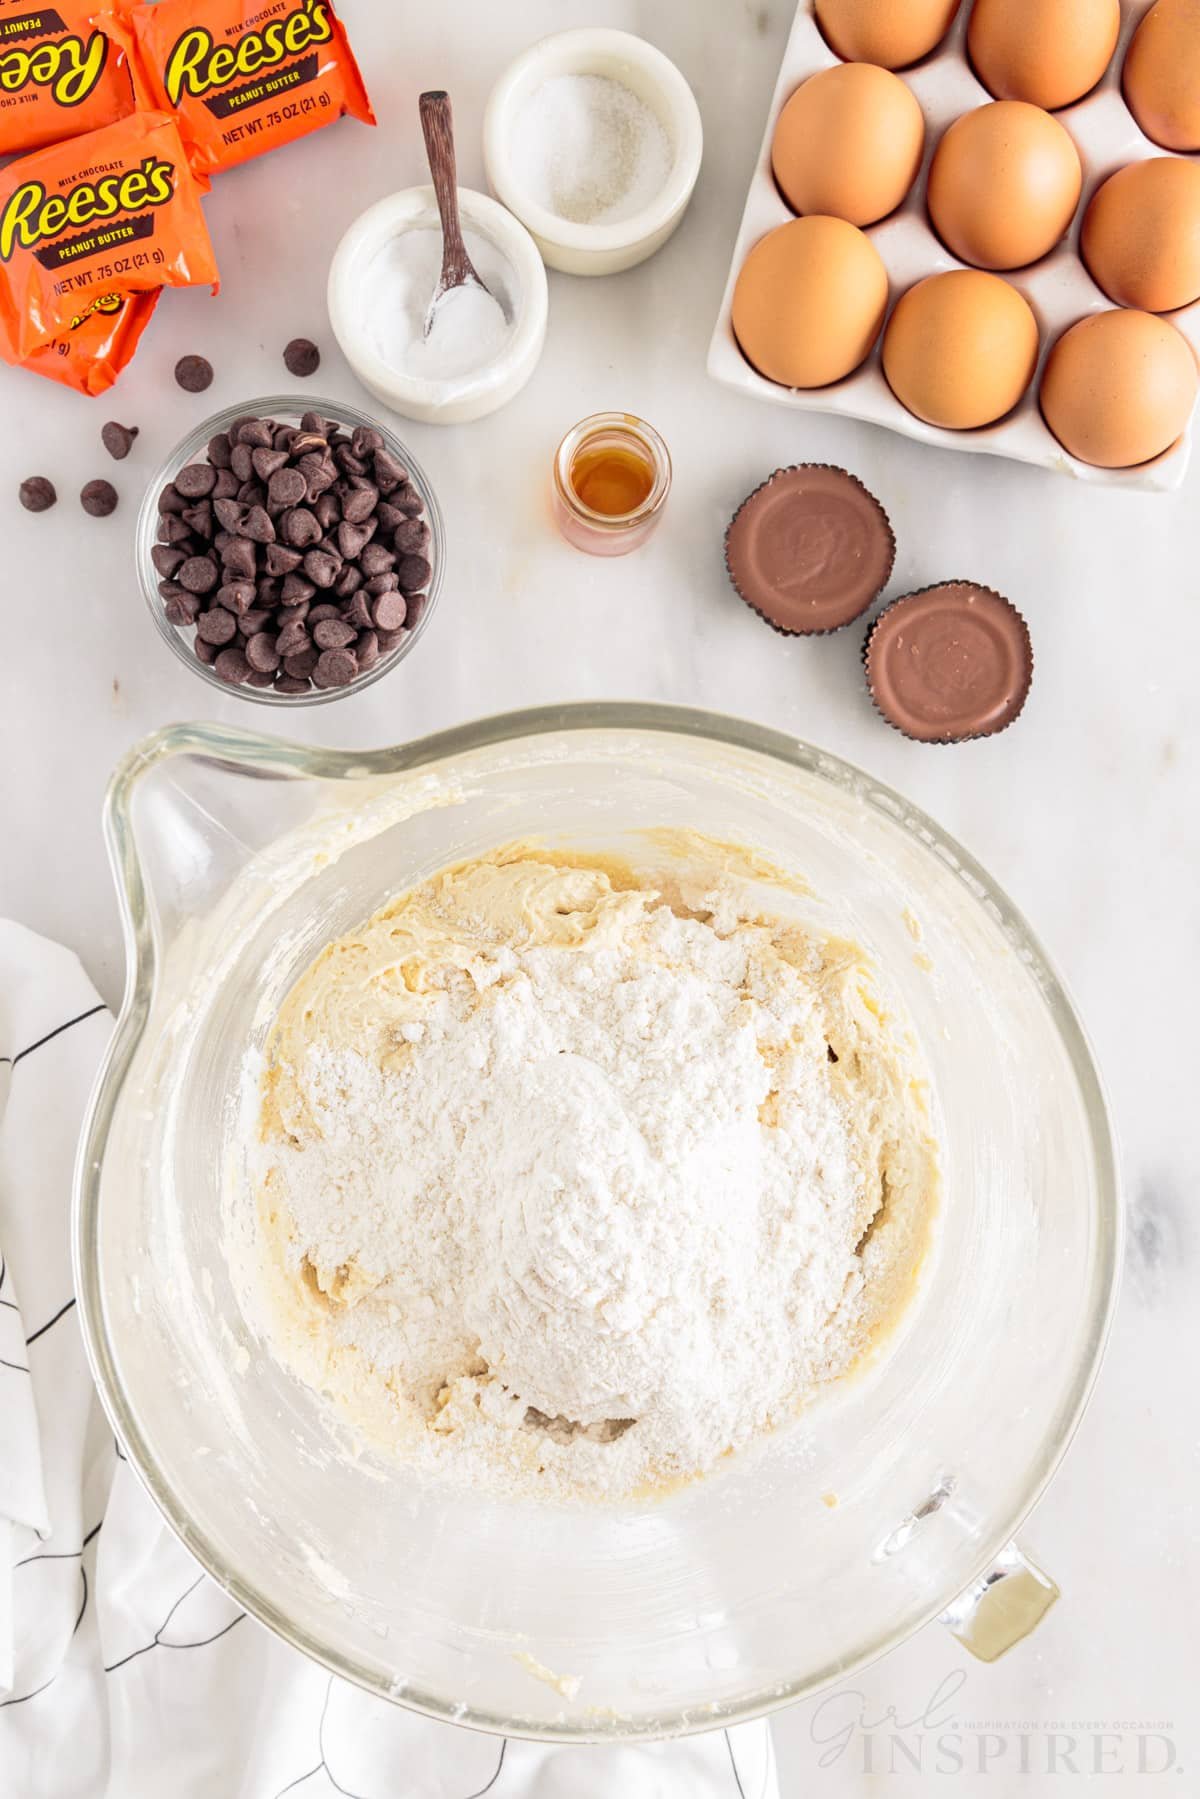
(1058, 288)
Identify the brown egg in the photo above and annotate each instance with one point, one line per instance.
(1162, 74)
(960, 349)
(892, 33)
(1141, 234)
(1003, 185)
(1119, 388)
(809, 301)
(848, 143)
(1049, 52)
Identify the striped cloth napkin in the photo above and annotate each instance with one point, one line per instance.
(125, 1672)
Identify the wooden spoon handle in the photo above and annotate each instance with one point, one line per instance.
(437, 123)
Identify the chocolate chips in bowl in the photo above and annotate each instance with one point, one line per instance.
(290, 550)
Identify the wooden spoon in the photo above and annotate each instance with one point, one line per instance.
(437, 122)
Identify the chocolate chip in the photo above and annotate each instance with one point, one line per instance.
(173, 528)
(262, 654)
(292, 638)
(241, 461)
(178, 614)
(226, 486)
(266, 461)
(199, 519)
(286, 487)
(98, 498)
(333, 634)
(301, 357)
(417, 603)
(279, 560)
(257, 434)
(389, 611)
(194, 373)
(376, 560)
(237, 559)
(335, 668)
(366, 651)
(167, 558)
(296, 589)
(254, 679)
(414, 573)
(358, 613)
(360, 502)
(348, 582)
(204, 652)
(351, 539)
(411, 536)
(299, 528)
(323, 610)
(252, 493)
(218, 451)
(231, 514)
(254, 621)
(170, 499)
(348, 462)
(118, 439)
(237, 596)
(199, 574)
(301, 663)
(196, 480)
(231, 665)
(216, 625)
(306, 442)
(282, 436)
(257, 525)
(321, 567)
(289, 684)
(408, 501)
(389, 474)
(389, 583)
(327, 510)
(365, 440)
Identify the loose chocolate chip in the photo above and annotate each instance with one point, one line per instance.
(411, 536)
(257, 525)
(299, 528)
(231, 666)
(199, 574)
(262, 654)
(291, 684)
(286, 487)
(98, 498)
(296, 589)
(335, 668)
(218, 451)
(167, 558)
(216, 625)
(333, 634)
(301, 357)
(257, 433)
(196, 480)
(414, 572)
(321, 567)
(237, 559)
(389, 611)
(266, 461)
(360, 502)
(194, 373)
(366, 651)
(118, 439)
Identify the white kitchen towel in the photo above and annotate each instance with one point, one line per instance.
(125, 1673)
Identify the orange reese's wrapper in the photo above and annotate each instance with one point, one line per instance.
(241, 78)
(59, 74)
(86, 224)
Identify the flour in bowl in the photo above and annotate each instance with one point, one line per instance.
(570, 1187)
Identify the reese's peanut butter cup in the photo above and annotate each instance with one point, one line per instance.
(949, 663)
(59, 75)
(240, 78)
(86, 226)
(92, 351)
(810, 549)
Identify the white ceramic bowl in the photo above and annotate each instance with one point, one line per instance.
(465, 397)
(601, 249)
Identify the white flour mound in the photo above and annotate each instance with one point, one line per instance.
(592, 1220)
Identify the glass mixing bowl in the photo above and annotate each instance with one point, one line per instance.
(237, 858)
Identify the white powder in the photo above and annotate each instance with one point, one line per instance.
(587, 148)
(470, 328)
(587, 1186)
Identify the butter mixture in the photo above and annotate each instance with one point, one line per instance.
(571, 1185)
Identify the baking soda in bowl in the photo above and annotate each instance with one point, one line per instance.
(470, 328)
(588, 149)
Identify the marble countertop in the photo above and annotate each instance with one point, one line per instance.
(1086, 811)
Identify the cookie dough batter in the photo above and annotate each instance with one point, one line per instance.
(572, 1184)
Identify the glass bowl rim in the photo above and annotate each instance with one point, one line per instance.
(252, 753)
(186, 450)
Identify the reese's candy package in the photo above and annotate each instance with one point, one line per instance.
(92, 351)
(114, 213)
(59, 74)
(240, 76)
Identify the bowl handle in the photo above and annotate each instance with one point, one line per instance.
(1001, 1608)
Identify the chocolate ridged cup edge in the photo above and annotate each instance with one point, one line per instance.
(932, 587)
(793, 468)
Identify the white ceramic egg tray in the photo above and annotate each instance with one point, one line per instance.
(1058, 288)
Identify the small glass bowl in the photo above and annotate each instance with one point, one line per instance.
(604, 533)
(286, 409)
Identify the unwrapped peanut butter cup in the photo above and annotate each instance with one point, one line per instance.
(810, 549)
(949, 663)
